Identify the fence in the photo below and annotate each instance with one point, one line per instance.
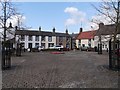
(6, 55)
(114, 56)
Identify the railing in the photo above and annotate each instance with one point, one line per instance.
(114, 56)
(6, 55)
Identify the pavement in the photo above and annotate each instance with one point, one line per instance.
(73, 69)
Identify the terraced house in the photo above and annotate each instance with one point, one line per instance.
(33, 38)
(104, 34)
(85, 39)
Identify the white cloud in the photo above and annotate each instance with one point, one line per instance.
(71, 10)
(76, 16)
(56, 0)
(14, 20)
(95, 20)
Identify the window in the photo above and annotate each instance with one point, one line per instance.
(22, 38)
(83, 45)
(79, 43)
(43, 38)
(30, 38)
(103, 45)
(29, 45)
(50, 44)
(50, 38)
(43, 45)
(23, 45)
(60, 39)
(89, 43)
(67, 39)
(36, 44)
(36, 38)
(116, 46)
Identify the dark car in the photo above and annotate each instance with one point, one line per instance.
(37, 49)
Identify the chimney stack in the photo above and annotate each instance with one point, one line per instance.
(40, 28)
(16, 28)
(66, 31)
(54, 30)
(101, 25)
(10, 25)
(81, 29)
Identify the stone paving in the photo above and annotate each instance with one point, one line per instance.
(74, 69)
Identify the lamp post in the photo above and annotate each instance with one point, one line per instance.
(18, 45)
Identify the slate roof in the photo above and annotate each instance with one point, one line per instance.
(106, 30)
(87, 35)
(74, 36)
(40, 33)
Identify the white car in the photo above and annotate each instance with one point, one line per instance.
(58, 47)
(40, 48)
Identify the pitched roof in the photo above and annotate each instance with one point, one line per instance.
(87, 35)
(74, 36)
(40, 33)
(106, 30)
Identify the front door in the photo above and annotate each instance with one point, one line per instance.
(30, 45)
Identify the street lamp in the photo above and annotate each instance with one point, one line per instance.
(18, 45)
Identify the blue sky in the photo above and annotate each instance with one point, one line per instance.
(61, 15)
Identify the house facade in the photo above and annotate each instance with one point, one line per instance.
(104, 34)
(74, 36)
(85, 39)
(32, 38)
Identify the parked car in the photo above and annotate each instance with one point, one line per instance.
(84, 48)
(90, 49)
(57, 47)
(37, 49)
(40, 48)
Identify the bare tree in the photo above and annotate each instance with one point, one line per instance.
(7, 11)
(20, 23)
(110, 9)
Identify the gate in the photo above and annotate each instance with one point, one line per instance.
(6, 55)
(114, 58)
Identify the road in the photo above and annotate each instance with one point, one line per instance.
(74, 69)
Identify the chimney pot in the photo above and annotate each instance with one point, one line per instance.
(81, 29)
(54, 29)
(10, 25)
(40, 28)
(66, 31)
(16, 28)
(101, 25)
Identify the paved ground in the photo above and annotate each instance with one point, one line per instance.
(69, 70)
